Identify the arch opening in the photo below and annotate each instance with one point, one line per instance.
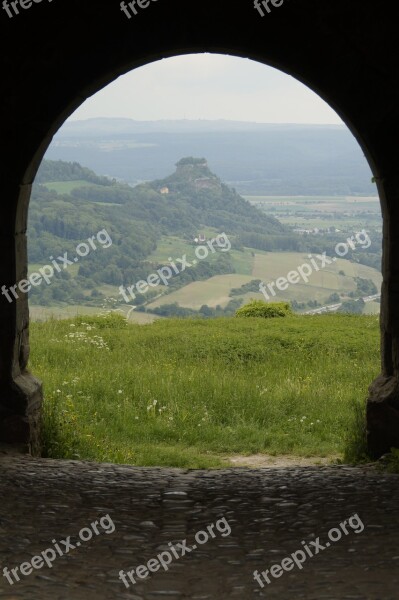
(22, 390)
(305, 249)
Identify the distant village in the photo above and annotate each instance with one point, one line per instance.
(316, 231)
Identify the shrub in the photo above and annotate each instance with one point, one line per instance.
(107, 320)
(266, 310)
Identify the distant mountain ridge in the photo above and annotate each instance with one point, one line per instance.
(255, 158)
(112, 126)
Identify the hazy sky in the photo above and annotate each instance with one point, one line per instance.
(208, 86)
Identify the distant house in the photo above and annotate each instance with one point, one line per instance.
(200, 239)
(164, 190)
(306, 231)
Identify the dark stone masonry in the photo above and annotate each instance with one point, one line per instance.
(53, 57)
(270, 512)
(57, 54)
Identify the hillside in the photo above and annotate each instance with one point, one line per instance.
(255, 158)
(71, 203)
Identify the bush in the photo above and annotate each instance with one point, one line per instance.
(266, 310)
(107, 320)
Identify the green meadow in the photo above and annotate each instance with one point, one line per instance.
(192, 393)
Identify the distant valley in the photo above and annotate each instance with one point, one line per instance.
(255, 158)
(157, 221)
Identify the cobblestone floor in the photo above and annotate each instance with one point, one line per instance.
(270, 512)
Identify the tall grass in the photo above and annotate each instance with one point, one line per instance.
(188, 393)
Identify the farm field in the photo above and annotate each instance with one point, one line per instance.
(174, 247)
(322, 212)
(46, 313)
(269, 267)
(213, 291)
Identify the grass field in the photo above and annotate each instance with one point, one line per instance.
(66, 187)
(372, 308)
(174, 247)
(212, 292)
(191, 393)
(46, 313)
(269, 267)
(321, 211)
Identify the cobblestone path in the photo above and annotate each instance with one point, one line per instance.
(270, 512)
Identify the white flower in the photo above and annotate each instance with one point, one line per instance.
(120, 392)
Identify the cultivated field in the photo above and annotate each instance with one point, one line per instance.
(269, 267)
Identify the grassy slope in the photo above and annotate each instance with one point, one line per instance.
(269, 267)
(188, 393)
(66, 187)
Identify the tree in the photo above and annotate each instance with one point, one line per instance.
(266, 310)
(352, 307)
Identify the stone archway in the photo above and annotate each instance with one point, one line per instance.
(56, 55)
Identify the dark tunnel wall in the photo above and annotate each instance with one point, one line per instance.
(56, 54)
